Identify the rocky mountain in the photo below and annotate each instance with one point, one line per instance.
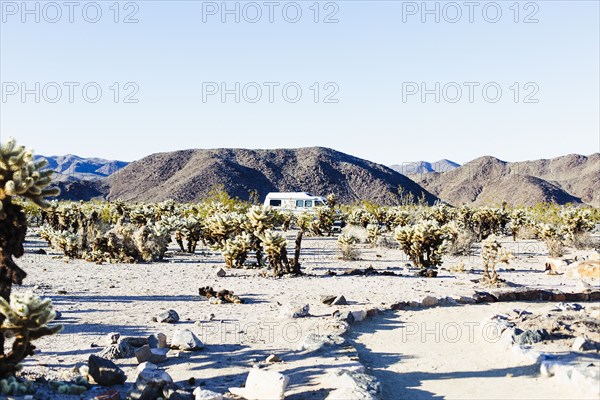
(488, 180)
(75, 168)
(424, 167)
(189, 175)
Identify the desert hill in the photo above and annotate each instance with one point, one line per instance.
(189, 175)
(488, 180)
(74, 168)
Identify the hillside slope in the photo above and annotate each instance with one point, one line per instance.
(188, 175)
(488, 180)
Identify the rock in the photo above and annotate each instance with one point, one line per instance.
(109, 395)
(57, 314)
(359, 315)
(154, 356)
(427, 273)
(429, 301)
(273, 359)
(589, 269)
(137, 341)
(555, 265)
(583, 344)
(345, 316)
(112, 338)
(122, 349)
(172, 392)
(40, 251)
(157, 341)
(203, 394)
(328, 299)
(184, 339)
(262, 384)
(352, 385)
(569, 307)
(339, 301)
(221, 273)
(169, 317)
(295, 311)
(529, 337)
(313, 341)
(149, 383)
(105, 372)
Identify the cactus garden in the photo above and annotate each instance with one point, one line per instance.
(210, 292)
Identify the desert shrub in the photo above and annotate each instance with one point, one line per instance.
(462, 243)
(575, 221)
(518, 220)
(493, 253)
(23, 317)
(347, 246)
(553, 238)
(374, 233)
(585, 241)
(359, 233)
(424, 243)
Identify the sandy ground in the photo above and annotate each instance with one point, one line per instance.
(98, 299)
(450, 353)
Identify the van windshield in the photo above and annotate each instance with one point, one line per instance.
(319, 203)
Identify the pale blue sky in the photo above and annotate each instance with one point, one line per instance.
(370, 54)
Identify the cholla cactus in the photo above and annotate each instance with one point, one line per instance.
(346, 242)
(21, 176)
(493, 253)
(236, 250)
(576, 221)
(26, 318)
(519, 218)
(424, 243)
(275, 247)
(374, 233)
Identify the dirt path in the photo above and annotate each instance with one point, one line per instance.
(448, 353)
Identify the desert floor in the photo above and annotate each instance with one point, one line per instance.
(96, 300)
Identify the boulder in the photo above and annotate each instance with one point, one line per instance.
(105, 372)
(154, 356)
(169, 317)
(262, 384)
(121, 349)
(184, 339)
(157, 341)
(149, 383)
(203, 394)
(352, 385)
(429, 301)
(339, 301)
(172, 392)
(221, 273)
(295, 311)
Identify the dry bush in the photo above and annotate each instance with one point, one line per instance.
(555, 247)
(462, 245)
(585, 241)
(350, 252)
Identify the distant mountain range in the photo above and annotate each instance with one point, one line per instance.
(189, 175)
(75, 168)
(424, 167)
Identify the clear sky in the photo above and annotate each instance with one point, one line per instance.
(517, 81)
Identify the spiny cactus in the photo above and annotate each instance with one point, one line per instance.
(21, 176)
(26, 319)
(236, 250)
(493, 253)
(275, 247)
(12, 386)
(346, 242)
(374, 233)
(519, 219)
(424, 243)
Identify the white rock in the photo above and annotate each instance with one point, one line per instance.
(203, 394)
(352, 385)
(184, 339)
(295, 311)
(359, 315)
(429, 301)
(262, 384)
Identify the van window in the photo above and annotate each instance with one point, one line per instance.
(275, 203)
(308, 203)
(299, 203)
(319, 203)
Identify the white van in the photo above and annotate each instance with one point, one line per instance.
(294, 201)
